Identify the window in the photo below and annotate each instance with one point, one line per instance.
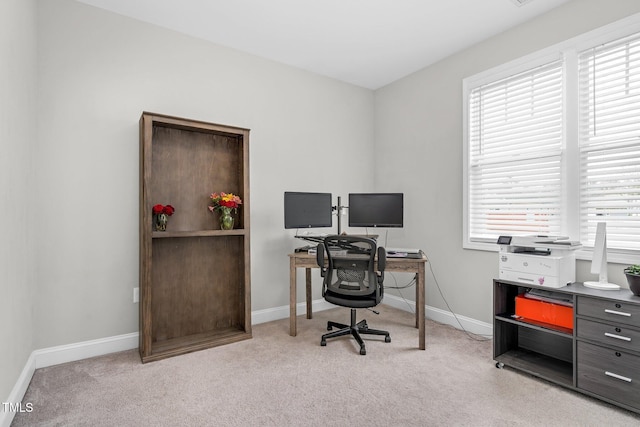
(610, 142)
(515, 154)
(552, 144)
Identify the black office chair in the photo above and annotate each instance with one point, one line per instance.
(351, 280)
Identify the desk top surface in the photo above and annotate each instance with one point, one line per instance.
(311, 259)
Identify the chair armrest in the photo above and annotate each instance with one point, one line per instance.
(382, 259)
(320, 258)
(382, 264)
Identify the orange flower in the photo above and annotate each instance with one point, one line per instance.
(224, 200)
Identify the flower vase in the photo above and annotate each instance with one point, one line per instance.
(226, 220)
(161, 222)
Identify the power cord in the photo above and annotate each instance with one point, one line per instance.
(471, 335)
(477, 337)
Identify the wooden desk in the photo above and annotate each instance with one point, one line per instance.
(401, 265)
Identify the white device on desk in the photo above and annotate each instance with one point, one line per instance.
(403, 253)
(547, 261)
(599, 261)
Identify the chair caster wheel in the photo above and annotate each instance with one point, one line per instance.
(323, 343)
(387, 339)
(363, 351)
(499, 365)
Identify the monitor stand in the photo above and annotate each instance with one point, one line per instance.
(605, 286)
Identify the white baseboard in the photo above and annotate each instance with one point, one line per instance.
(63, 354)
(441, 316)
(282, 312)
(18, 391)
(86, 349)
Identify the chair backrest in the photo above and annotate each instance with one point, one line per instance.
(350, 268)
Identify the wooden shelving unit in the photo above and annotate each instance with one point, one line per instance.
(195, 284)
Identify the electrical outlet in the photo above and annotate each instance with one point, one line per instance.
(136, 295)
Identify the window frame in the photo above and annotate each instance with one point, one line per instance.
(566, 51)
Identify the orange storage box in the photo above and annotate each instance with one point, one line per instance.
(546, 312)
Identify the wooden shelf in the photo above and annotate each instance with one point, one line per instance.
(549, 368)
(196, 233)
(536, 325)
(195, 342)
(195, 279)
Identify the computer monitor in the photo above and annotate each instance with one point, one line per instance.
(307, 210)
(599, 261)
(376, 210)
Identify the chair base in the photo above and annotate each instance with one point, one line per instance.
(354, 329)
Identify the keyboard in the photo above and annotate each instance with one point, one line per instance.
(314, 238)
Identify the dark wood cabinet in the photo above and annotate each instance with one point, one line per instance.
(600, 356)
(194, 277)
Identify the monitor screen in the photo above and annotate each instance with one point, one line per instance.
(376, 209)
(307, 210)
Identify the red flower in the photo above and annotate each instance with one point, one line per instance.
(228, 203)
(167, 210)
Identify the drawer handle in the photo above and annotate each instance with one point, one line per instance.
(618, 337)
(619, 313)
(616, 376)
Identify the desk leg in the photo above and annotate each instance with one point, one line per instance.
(420, 303)
(292, 298)
(308, 290)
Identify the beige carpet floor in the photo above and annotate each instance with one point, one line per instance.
(278, 380)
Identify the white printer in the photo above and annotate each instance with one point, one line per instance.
(539, 260)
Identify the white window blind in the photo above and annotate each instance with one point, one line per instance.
(515, 154)
(609, 142)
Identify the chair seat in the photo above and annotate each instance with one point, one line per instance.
(350, 301)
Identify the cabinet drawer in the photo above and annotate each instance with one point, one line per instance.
(609, 335)
(614, 311)
(608, 373)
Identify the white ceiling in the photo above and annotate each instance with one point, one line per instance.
(369, 43)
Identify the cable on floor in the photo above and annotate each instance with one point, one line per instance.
(471, 335)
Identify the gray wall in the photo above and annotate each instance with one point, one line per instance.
(18, 195)
(418, 128)
(97, 72)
